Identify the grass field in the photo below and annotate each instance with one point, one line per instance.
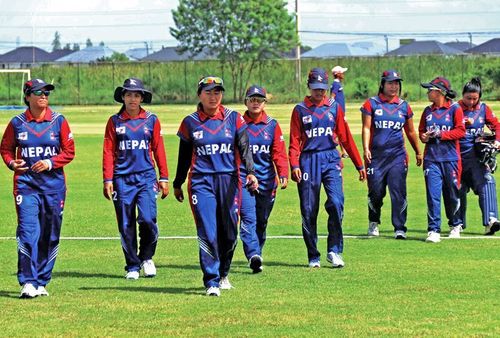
(388, 287)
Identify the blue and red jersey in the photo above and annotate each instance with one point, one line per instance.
(388, 120)
(268, 150)
(314, 128)
(130, 143)
(214, 140)
(449, 120)
(475, 119)
(47, 138)
(338, 90)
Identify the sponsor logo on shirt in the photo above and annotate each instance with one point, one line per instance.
(120, 130)
(198, 135)
(428, 117)
(378, 112)
(22, 136)
(307, 119)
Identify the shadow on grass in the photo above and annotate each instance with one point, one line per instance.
(188, 291)
(76, 274)
(8, 294)
(178, 266)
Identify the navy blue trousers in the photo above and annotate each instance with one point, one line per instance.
(215, 202)
(442, 178)
(477, 177)
(38, 231)
(392, 175)
(254, 215)
(136, 191)
(321, 168)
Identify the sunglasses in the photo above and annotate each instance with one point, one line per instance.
(257, 99)
(211, 79)
(40, 92)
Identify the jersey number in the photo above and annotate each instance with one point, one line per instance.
(194, 199)
(370, 171)
(19, 199)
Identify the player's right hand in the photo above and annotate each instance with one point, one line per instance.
(107, 190)
(297, 175)
(368, 156)
(19, 165)
(179, 194)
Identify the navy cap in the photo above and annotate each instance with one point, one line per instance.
(391, 75)
(133, 85)
(317, 79)
(255, 90)
(439, 83)
(210, 82)
(36, 84)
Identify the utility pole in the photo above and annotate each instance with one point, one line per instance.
(298, 70)
(386, 38)
(470, 40)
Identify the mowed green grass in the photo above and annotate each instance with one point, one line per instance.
(388, 287)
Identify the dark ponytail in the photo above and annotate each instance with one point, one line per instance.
(473, 86)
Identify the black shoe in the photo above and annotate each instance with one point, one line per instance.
(256, 263)
(490, 230)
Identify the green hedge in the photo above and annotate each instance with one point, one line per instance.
(175, 82)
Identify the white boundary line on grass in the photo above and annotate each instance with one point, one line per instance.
(269, 237)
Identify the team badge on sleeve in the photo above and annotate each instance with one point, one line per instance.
(23, 136)
(120, 130)
(70, 136)
(198, 135)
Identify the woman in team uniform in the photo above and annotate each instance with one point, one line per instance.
(314, 126)
(441, 127)
(133, 146)
(475, 175)
(213, 143)
(269, 155)
(384, 117)
(36, 145)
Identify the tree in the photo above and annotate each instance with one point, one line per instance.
(115, 57)
(88, 43)
(56, 43)
(76, 46)
(239, 33)
(102, 44)
(67, 46)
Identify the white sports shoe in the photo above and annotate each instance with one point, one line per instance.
(373, 229)
(149, 268)
(132, 275)
(433, 237)
(224, 283)
(315, 264)
(335, 259)
(42, 291)
(213, 291)
(399, 234)
(28, 291)
(255, 263)
(455, 231)
(491, 228)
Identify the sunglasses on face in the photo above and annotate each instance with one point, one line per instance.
(210, 80)
(432, 89)
(257, 99)
(40, 92)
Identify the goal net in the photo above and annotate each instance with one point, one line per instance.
(11, 86)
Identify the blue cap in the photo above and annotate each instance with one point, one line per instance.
(255, 90)
(317, 79)
(132, 85)
(391, 75)
(36, 84)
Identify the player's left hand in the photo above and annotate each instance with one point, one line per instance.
(496, 144)
(40, 166)
(420, 159)
(163, 188)
(362, 175)
(251, 183)
(283, 182)
(179, 194)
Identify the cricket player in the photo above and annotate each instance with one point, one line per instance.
(133, 147)
(36, 145)
(337, 93)
(213, 143)
(441, 127)
(384, 117)
(269, 155)
(475, 175)
(314, 126)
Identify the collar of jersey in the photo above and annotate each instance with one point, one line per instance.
(219, 115)
(125, 115)
(465, 108)
(447, 104)
(382, 98)
(261, 119)
(308, 102)
(46, 117)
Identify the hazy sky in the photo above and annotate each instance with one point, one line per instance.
(123, 24)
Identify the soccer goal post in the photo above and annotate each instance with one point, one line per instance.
(26, 75)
